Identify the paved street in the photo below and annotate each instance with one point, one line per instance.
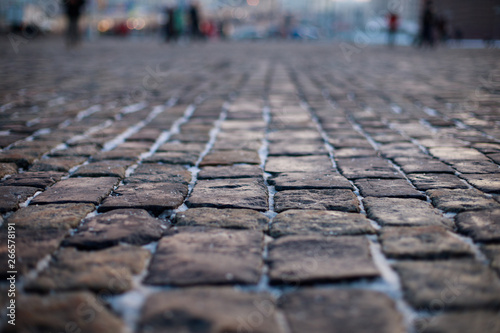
(249, 187)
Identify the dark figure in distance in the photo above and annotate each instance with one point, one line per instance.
(170, 27)
(195, 21)
(393, 28)
(73, 10)
(427, 25)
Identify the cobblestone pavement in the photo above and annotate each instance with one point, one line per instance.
(250, 188)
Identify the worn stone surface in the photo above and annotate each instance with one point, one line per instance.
(475, 166)
(367, 167)
(248, 193)
(458, 200)
(109, 270)
(190, 256)
(315, 258)
(159, 173)
(312, 164)
(31, 247)
(460, 321)
(103, 169)
(76, 190)
(11, 196)
(355, 152)
(451, 284)
(430, 181)
(80, 311)
(131, 226)
(55, 216)
(7, 169)
(230, 157)
(492, 252)
(223, 218)
(427, 242)
(287, 149)
(486, 183)
(233, 171)
(422, 165)
(40, 180)
(329, 199)
(404, 212)
(174, 157)
(337, 311)
(482, 226)
(457, 154)
(303, 180)
(59, 164)
(327, 223)
(398, 188)
(155, 197)
(209, 310)
(401, 149)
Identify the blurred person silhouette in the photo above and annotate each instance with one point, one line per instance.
(442, 29)
(393, 23)
(170, 27)
(427, 25)
(73, 10)
(194, 16)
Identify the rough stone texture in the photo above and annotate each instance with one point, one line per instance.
(427, 242)
(109, 270)
(401, 149)
(103, 169)
(339, 311)
(223, 218)
(60, 164)
(132, 226)
(56, 216)
(355, 152)
(40, 180)
(492, 252)
(327, 223)
(333, 199)
(81, 312)
(158, 173)
(23, 158)
(461, 200)
(182, 146)
(460, 321)
(173, 157)
(310, 164)
(85, 150)
(74, 190)
(31, 246)
(315, 258)
(302, 180)
(452, 284)
(422, 165)
(248, 193)
(12, 196)
(233, 171)
(7, 169)
(209, 310)
(475, 166)
(481, 226)
(230, 157)
(367, 167)
(404, 212)
(398, 188)
(155, 197)
(287, 149)
(457, 154)
(486, 183)
(432, 181)
(198, 256)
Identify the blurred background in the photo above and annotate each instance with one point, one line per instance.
(456, 22)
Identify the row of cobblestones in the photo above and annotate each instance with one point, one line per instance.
(251, 188)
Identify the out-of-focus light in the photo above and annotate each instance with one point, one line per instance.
(136, 23)
(252, 2)
(104, 25)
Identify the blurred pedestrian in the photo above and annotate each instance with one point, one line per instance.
(194, 16)
(427, 25)
(73, 10)
(393, 22)
(170, 27)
